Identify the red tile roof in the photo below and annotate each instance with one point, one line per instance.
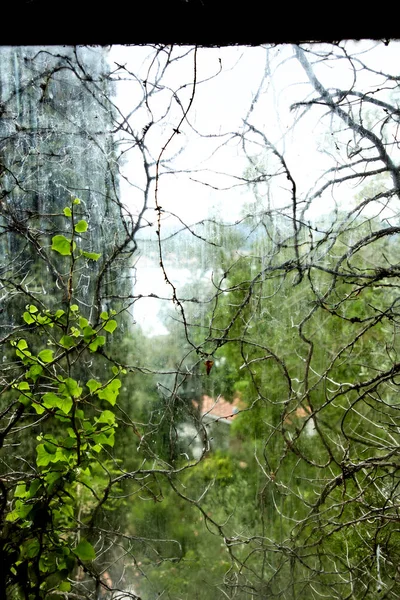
(219, 408)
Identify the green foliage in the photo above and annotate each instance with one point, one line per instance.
(52, 504)
(62, 245)
(304, 498)
(67, 246)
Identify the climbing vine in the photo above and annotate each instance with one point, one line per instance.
(50, 508)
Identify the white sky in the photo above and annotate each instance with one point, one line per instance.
(219, 107)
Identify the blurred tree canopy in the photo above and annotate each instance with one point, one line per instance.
(116, 481)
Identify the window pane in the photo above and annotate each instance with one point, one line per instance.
(199, 284)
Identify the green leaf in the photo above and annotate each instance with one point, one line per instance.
(24, 356)
(34, 372)
(93, 385)
(89, 331)
(107, 417)
(110, 392)
(20, 511)
(83, 322)
(46, 356)
(62, 245)
(32, 308)
(76, 201)
(23, 385)
(102, 439)
(52, 478)
(104, 316)
(22, 351)
(100, 340)
(110, 326)
(38, 408)
(12, 516)
(67, 211)
(64, 403)
(110, 440)
(33, 488)
(43, 457)
(85, 551)
(88, 427)
(50, 447)
(64, 586)
(67, 341)
(81, 226)
(44, 320)
(32, 548)
(72, 387)
(20, 491)
(64, 454)
(74, 308)
(22, 344)
(46, 563)
(26, 399)
(28, 318)
(70, 442)
(90, 255)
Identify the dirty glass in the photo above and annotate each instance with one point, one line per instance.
(199, 283)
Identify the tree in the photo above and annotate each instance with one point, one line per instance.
(293, 308)
(320, 371)
(304, 315)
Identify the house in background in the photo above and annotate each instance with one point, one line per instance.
(218, 410)
(215, 416)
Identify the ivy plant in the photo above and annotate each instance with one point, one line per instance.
(50, 508)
